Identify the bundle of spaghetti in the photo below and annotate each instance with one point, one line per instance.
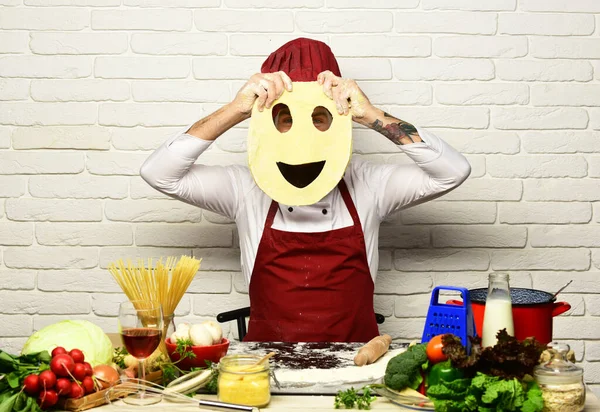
(165, 283)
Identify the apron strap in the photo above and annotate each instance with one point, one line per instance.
(349, 203)
(271, 215)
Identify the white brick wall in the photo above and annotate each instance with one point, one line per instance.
(88, 88)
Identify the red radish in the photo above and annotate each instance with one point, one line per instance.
(77, 391)
(47, 379)
(47, 399)
(62, 365)
(88, 384)
(31, 384)
(77, 355)
(79, 371)
(63, 386)
(59, 350)
(89, 371)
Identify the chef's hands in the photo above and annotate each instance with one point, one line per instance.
(264, 88)
(346, 94)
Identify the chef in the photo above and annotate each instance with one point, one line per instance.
(308, 214)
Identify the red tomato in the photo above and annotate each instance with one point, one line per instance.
(434, 350)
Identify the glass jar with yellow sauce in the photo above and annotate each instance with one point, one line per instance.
(243, 381)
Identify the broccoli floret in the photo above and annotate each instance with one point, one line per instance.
(404, 369)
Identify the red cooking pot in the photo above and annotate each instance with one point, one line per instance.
(532, 309)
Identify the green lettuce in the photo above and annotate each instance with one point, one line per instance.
(73, 334)
(535, 401)
(486, 393)
(450, 396)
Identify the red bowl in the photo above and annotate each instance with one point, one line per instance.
(212, 353)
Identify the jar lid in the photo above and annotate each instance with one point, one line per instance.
(558, 370)
(243, 364)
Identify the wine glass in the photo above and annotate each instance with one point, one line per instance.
(141, 326)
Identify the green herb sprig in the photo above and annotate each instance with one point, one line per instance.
(183, 350)
(171, 371)
(351, 397)
(119, 355)
(211, 386)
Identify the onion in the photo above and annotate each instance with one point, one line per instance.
(105, 376)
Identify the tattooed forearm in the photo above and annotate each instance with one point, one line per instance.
(397, 131)
(215, 124)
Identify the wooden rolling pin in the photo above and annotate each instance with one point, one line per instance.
(373, 350)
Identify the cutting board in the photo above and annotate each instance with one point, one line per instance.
(312, 368)
(316, 368)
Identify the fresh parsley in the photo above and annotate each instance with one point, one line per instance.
(171, 371)
(119, 355)
(183, 348)
(211, 386)
(351, 397)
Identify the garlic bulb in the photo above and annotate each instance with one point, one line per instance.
(200, 336)
(215, 330)
(183, 326)
(182, 332)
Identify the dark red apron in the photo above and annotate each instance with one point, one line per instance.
(312, 287)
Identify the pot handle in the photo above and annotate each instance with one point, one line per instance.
(560, 307)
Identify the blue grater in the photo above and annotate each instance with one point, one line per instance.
(450, 318)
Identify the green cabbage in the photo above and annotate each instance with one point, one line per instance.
(73, 334)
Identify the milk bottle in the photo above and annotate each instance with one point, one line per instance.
(498, 309)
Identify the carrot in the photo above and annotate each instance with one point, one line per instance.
(373, 350)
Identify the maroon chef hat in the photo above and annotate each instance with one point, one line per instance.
(302, 59)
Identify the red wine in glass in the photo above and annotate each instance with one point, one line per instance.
(141, 325)
(141, 342)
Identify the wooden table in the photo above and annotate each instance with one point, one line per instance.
(283, 403)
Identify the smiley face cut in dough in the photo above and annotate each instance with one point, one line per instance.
(302, 163)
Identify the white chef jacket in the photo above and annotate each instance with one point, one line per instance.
(376, 189)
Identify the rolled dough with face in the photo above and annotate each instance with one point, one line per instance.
(324, 155)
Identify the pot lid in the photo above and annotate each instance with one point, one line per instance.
(518, 296)
(558, 370)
